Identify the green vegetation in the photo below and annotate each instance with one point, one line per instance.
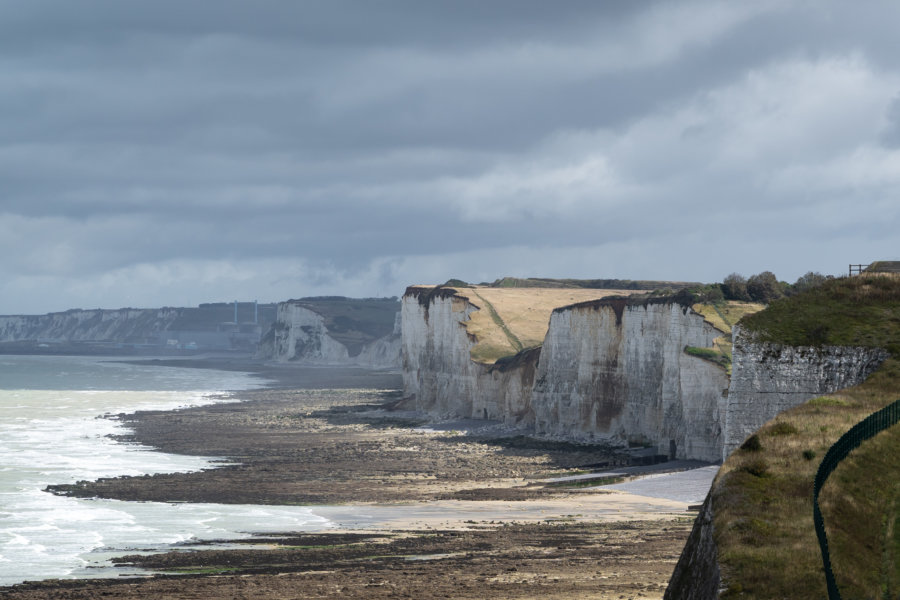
(456, 283)
(860, 505)
(782, 428)
(713, 355)
(762, 497)
(764, 287)
(828, 401)
(722, 315)
(594, 284)
(851, 311)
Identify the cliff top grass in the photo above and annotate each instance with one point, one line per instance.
(511, 319)
(723, 316)
(848, 311)
(762, 497)
(604, 284)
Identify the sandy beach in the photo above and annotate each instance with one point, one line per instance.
(464, 510)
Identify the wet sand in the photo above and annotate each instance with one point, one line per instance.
(418, 512)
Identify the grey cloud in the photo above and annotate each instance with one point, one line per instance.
(348, 144)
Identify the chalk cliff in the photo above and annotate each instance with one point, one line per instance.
(609, 369)
(335, 331)
(769, 378)
(122, 325)
(439, 375)
(617, 369)
(299, 334)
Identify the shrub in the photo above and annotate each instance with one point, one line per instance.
(752, 444)
(734, 287)
(809, 454)
(807, 282)
(456, 283)
(764, 287)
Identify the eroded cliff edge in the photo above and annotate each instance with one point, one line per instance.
(610, 369)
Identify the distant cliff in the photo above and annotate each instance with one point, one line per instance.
(335, 330)
(214, 326)
(123, 325)
(612, 369)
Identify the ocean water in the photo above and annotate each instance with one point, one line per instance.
(53, 430)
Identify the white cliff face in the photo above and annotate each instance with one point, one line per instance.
(769, 378)
(384, 352)
(438, 371)
(615, 371)
(437, 368)
(299, 334)
(604, 372)
(128, 324)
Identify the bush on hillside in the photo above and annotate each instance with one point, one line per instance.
(764, 287)
(734, 287)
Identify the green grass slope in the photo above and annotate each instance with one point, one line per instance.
(762, 497)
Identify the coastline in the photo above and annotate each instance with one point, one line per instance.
(307, 439)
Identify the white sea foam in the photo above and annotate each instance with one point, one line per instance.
(51, 433)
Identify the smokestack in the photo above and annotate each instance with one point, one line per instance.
(256, 312)
(235, 312)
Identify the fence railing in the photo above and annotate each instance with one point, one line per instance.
(862, 431)
(858, 269)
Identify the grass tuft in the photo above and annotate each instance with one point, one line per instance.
(782, 428)
(758, 467)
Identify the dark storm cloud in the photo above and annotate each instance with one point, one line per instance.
(177, 152)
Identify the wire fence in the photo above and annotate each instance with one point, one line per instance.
(862, 431)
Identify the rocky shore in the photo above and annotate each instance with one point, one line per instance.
(449, 512)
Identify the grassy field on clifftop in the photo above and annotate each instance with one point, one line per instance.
(762, 497)
(511, 319)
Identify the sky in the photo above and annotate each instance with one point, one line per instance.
(169, 153)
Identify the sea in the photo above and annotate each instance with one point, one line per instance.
(56, 427)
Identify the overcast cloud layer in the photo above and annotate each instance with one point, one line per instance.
(172, 153)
